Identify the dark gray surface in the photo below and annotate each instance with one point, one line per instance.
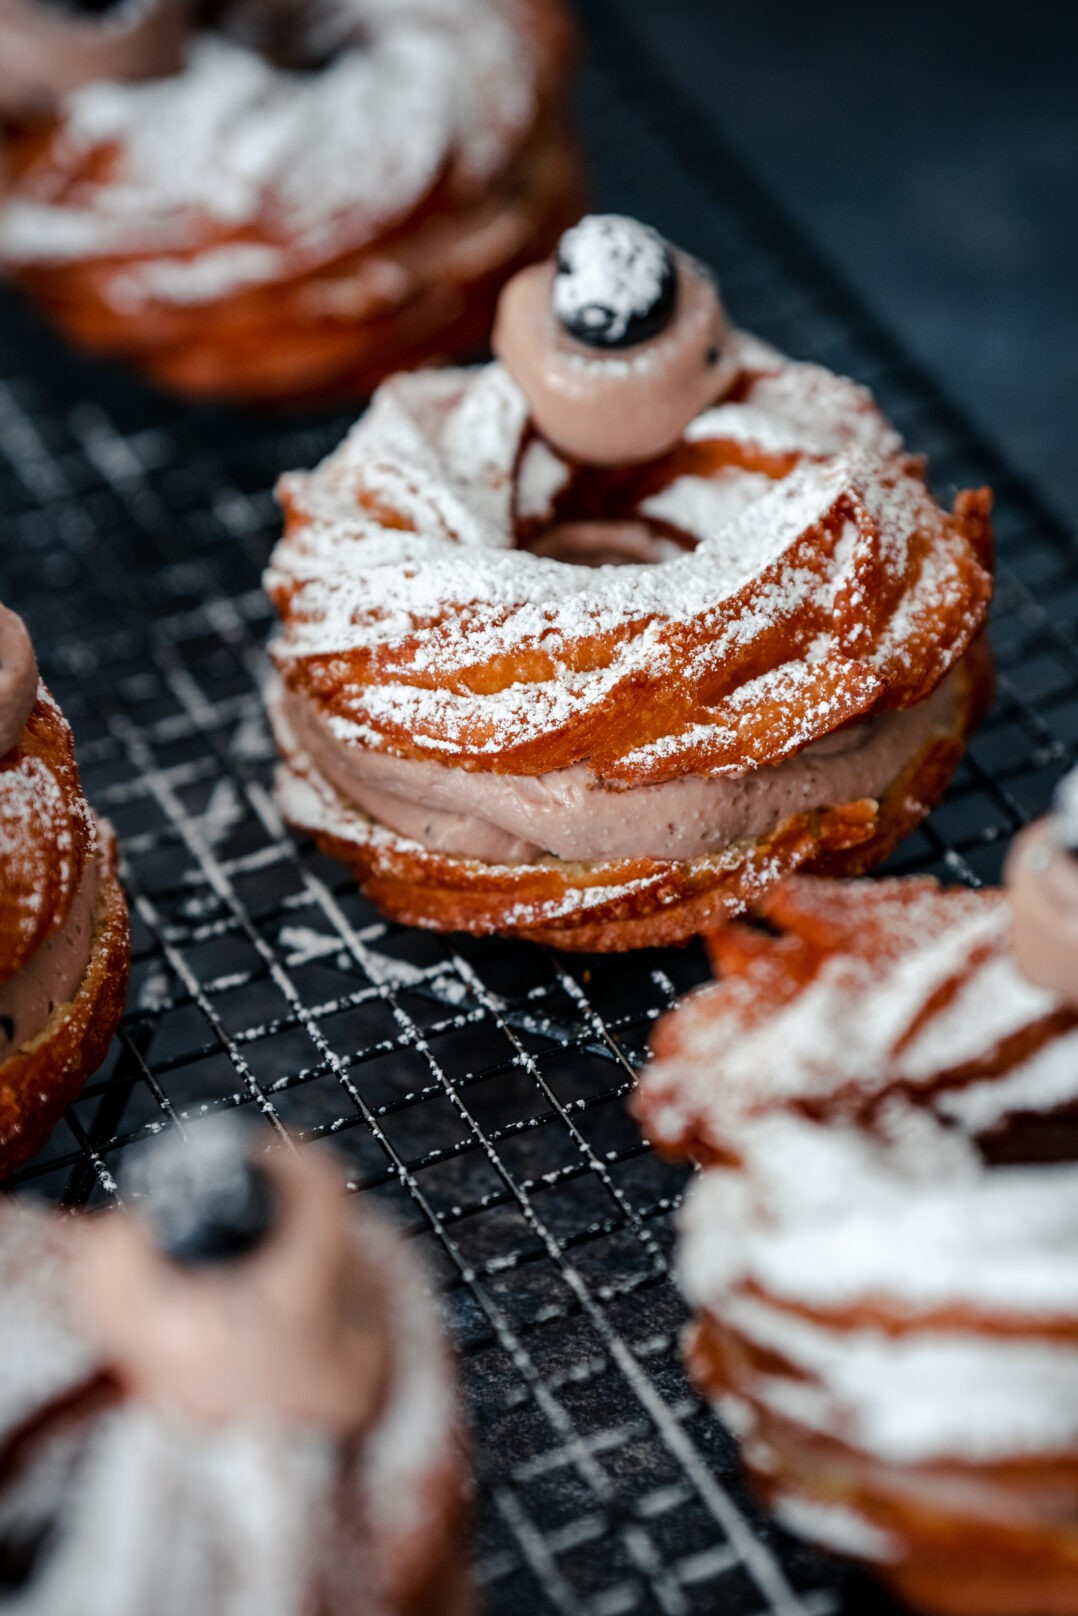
(932, 151)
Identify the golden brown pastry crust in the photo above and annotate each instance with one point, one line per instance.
(38, 1082)
(651, 902)
(951, 1562)
(640, 732)
(46, 833)
(804, 580)
(951, 1104)
(294, 339)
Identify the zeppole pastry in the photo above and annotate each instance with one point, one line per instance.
(593, 644)
(232, 1400)
(278, 200)
(881, 1250)
(63, 920)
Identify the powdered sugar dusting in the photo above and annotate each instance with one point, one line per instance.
(902, 1291)
(944, 997)
(321, 162)
(826, 1218)
(46, 827)
(838, 1527)
(440, 589)
(610, 269)
(145, 1510)
(42, 1354)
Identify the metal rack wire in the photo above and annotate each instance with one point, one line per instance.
(476, 1088)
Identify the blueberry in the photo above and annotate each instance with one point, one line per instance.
(208, 1199)
(616, 282)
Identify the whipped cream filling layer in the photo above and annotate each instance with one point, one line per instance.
(30, 998)
(516, 819)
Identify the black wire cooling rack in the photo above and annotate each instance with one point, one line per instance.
(476, 1088)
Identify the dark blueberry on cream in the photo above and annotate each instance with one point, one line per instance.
(616, 282)
(208, 1198)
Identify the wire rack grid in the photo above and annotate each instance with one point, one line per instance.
(474, 1088)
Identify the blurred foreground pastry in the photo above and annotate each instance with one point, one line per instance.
(63, 920)
(881, 1250)
(233, 1401)
(280, 201)
(593, 644)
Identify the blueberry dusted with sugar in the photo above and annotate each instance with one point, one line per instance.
(616, 282)
(207, 1199)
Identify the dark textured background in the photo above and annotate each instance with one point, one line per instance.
(931, 150)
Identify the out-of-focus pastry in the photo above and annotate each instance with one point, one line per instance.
(233, 1400)
(64, 947)
(279, 202)
(880, 1251)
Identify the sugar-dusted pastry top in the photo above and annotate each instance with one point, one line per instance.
(251, 1292)
(50, 850)
(117, 1506)
(921, 1305)
(880, 1251)
(48, 838)
(808, 579)
(423, 104)
(871, 991)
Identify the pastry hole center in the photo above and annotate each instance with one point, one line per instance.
(605, 543)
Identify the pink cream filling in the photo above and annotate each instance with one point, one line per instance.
(18, 679)
(30, 998)
(516, 819)
(48, 51)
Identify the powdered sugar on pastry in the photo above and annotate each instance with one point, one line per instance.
(47, 834)
(63, 923)
(411, 612)
(255, 1517)
(946, 1002)
(880, 1249)
(818, 1219)
(238, 141)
